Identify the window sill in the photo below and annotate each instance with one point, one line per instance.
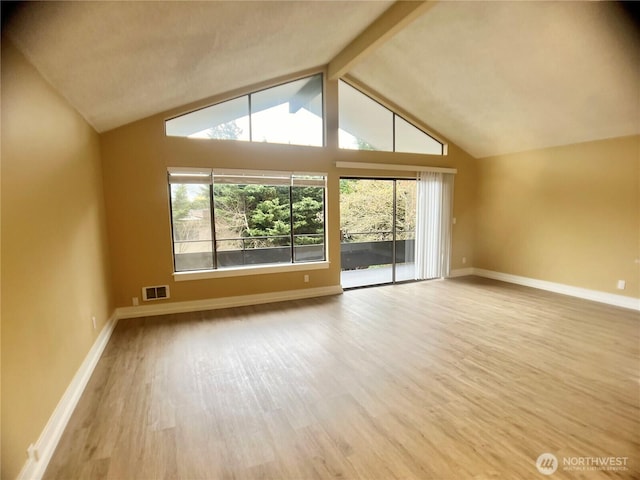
(249, 270)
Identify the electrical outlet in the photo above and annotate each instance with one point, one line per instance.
(621, 284)
(135, 301)
(464, 260)
(306, 279)
(93, 320)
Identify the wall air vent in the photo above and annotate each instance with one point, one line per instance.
(158, 292)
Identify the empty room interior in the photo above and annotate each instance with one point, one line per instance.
(308, 240)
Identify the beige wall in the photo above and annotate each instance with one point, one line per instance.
(54, 252)
(568, 214)
(135, 160)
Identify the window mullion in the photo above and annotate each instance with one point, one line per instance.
(393, 233)
(324, 223)
(394, 131)
(213, 227)
(173, 233)
(250, 120)
(292, 239)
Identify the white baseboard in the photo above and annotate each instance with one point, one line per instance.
(225, 302)
(460, 272)
(585, 293)
(46, 444)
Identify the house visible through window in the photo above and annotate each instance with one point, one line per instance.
(291, 113)
(226, 219)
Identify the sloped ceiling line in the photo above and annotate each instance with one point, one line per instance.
(397, 17)
(492, 77)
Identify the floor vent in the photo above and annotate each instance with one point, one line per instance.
(155, 293)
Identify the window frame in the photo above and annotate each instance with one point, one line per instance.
(394, 114)
(251, 269)
(248, 96)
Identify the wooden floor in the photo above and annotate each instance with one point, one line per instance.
(455, 379)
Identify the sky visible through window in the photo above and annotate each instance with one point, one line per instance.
(292, 114)
(277, 125)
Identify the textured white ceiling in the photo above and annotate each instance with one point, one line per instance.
(117, 62)
(493, 77)
(499, 77)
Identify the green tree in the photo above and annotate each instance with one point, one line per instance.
(367, 210)
(180, 202)
(245, 211)
(308, 215)
(367, 206)
(202, 199)
(347, 186)
(364, 145)
(270, 218)
(406, 207)
(225, 131)
(190, 220)
(231, 206)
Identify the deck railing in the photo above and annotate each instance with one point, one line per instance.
(354, 254)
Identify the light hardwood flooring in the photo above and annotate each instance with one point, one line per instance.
(456, 379)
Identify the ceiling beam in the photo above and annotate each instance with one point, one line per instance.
(394, 19)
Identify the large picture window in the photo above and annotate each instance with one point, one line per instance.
(229, 219)
(291, 113)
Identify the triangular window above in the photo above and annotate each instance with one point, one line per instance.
(290, 113)
(367, 125)
(224, 121)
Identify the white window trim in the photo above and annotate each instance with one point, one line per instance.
(259, 89)
(239, 271)
(391, 166)
(208, 172)
(248, 270)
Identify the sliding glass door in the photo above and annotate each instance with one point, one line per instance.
(377, 226)
(405, 230)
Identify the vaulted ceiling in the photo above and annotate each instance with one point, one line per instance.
(493, 77)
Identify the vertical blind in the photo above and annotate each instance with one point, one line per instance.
(433, 225)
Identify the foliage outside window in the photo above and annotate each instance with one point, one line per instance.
(291, 113)
(254, 219)
(366, 207)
